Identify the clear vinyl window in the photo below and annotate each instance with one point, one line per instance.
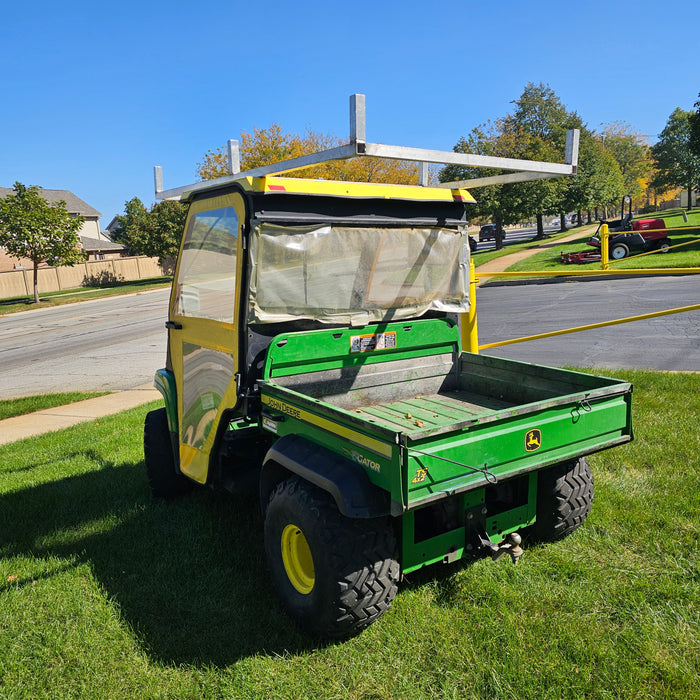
(206, 281)
(356, 275)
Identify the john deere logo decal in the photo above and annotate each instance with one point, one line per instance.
(533, 440)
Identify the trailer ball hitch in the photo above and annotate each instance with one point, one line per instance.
(509, 545)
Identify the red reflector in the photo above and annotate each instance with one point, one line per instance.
(279, 188)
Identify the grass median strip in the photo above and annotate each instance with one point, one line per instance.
(70, 296)
(107, 593)
(9, 408)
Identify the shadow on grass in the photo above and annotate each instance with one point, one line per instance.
(188, 577)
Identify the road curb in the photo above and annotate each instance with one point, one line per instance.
(572, 278)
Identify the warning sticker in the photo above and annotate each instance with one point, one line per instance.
(375, 341)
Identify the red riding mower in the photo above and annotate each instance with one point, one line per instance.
(642, 235)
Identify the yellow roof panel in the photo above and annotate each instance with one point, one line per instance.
(365, 190)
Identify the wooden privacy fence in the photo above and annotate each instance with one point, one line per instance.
(18, 283)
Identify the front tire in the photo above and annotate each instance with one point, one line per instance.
(564, 499)
(619, 251)
(334, 575)
(163, 480)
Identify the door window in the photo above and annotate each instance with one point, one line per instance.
(206, 281)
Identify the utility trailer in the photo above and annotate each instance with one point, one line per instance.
(315, 350)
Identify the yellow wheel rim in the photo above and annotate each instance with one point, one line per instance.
(297, 559)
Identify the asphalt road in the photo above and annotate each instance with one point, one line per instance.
(107, 344)
(119, 342)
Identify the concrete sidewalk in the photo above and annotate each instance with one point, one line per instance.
(50, 419)
(60, 417)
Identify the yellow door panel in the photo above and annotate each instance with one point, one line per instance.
(204, 304)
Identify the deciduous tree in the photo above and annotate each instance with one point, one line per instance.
(695, 129)
(499, 203)
(44, 232)
(541, 118)
(598, 182)
(536, 130)
(676, 162)
(271, 145)
(632, 154)
(155, 232)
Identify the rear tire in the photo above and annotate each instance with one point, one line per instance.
(564, 499)
(334, 575)
(163, 480)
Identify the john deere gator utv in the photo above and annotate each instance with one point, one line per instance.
(314, 348)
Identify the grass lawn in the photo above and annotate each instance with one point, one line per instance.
(105, 593)
(549, 259)
(70, 296)
(485, 256)
(674, 217)
(28, 404)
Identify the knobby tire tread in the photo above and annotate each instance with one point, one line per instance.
(360, 564)
(163, 480)
(564, 499)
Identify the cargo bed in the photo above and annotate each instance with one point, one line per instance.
(430, 421)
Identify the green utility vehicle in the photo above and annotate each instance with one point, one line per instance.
(315, 350)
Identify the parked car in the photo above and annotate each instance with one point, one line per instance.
(488, 232)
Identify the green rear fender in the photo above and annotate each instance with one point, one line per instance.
(164, 381)
(354, 494)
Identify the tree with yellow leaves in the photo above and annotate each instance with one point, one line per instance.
(632, 154)
(265, 146)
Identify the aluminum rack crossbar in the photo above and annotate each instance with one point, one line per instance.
(523, 170)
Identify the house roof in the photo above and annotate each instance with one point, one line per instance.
(92, 245)
(74, 205)
(113, 225)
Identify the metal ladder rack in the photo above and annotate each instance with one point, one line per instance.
(358, 146)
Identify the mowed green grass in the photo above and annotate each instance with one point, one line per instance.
(105, 593)
(484, 256)
(28, 404)
(550, 259)
(675, 218)
(687, 255)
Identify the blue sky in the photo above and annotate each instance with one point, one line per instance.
(94, 94)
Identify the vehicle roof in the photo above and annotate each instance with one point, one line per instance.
(360, 190)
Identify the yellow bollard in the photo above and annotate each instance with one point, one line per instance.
(604, 234)
(467, 321)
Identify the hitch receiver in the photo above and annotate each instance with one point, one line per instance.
(509, 545)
